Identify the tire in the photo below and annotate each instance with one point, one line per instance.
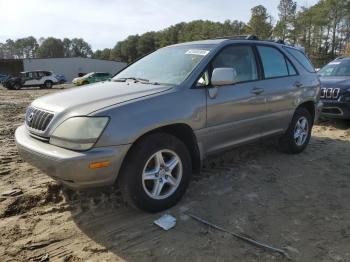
(48, 84)
(16, 86)
(139, 188)
(298, 135)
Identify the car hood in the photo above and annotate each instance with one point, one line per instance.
(77, 79)
(339, 82)
(88, 99)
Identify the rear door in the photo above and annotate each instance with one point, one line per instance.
(235, 114)
(280, 83)
(29, 79)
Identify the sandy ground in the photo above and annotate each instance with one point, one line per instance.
(298, 202)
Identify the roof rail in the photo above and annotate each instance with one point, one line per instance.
(251, 37)
(340, 57)
(278, 41)
(239, 37)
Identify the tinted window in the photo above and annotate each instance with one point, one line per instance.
(301, 58)
(273, 62)
(336, 68)
(240, 58)
(291, 68)
(102, 74)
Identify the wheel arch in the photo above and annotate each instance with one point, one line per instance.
(181, 131)
(309, 106)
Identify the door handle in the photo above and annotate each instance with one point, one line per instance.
(298, 84)
(257, 90)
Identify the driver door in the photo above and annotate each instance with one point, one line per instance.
(235, 114)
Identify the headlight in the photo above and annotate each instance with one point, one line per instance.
(78, 133)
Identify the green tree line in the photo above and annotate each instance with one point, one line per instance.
(322, 29)
(50, 47)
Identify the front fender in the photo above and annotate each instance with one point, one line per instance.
(131, 120)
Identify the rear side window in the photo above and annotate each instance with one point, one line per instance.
(301, 58)
(273, 62)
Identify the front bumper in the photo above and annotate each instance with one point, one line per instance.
(71, 167)
(336, 109)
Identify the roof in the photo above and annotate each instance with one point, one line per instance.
(36, 71)
(237, 39)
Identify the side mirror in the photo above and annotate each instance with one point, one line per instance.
(223, 76)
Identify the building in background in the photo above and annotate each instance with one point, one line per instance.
(70, 67)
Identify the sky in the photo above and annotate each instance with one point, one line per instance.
(104, 22)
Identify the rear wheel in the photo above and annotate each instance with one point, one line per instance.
(298, 135)
(156, 173)
(48, 84)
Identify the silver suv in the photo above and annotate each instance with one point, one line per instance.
(149, 128)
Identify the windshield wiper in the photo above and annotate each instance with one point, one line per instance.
(136, 79)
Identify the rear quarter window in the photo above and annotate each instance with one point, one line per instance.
(301, 58)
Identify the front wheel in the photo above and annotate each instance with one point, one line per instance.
(16, 86)
(298, 135)
(156, 173)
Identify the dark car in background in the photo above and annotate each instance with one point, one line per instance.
(61, 79)
(335, 88)
(3, 78)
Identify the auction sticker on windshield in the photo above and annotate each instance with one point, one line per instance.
(197, 52)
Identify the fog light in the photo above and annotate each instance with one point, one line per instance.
(99, 164)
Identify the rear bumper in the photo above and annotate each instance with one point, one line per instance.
(336, 109)
(71, 167)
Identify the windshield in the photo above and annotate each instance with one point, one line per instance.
(170, 65)
(336, 68)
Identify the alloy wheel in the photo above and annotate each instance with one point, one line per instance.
(162, 174)
(301, 131)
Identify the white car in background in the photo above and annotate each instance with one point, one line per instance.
(40, 78)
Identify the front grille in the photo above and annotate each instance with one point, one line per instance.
(330, 93)
(38, 119)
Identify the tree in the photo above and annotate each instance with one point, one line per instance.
(260, 23)
(26, 47)
(80, 48)
(8, 49)
(102, 54)
(286, 27)
(50, 48)
(136, 46)
(67, 43)
(347, 50)
(287, 17)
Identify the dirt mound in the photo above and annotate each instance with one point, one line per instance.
(20, 205)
